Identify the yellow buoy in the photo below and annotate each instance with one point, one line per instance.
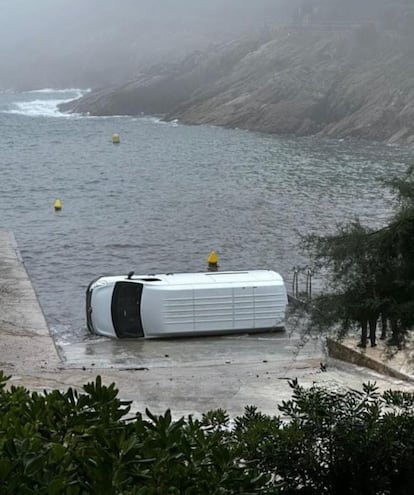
(212, 261)
(212, 258)
(116, 139)
(58, 205)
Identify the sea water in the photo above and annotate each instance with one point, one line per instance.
(167, 195)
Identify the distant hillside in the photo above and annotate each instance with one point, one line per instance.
(324, 74)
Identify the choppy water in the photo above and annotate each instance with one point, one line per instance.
(166, 196)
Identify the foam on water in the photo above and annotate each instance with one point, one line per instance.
(38, 108)
(51, 90)
(44, 106)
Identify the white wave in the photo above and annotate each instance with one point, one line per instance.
(150, 119)
(38, 108)
(51, 90)
(44, 107)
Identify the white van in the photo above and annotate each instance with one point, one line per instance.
(186, 304)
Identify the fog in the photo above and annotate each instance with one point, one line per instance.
(92, 43)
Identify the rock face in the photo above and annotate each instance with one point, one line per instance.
(351, 80)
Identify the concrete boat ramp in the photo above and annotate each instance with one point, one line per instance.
(189, 376)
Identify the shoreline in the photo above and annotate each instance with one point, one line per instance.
(196, 377)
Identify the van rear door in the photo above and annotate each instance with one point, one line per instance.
(126, 309)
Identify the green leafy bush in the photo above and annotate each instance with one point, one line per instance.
(369, 273)
(70, 443)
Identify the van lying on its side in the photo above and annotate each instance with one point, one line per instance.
(186, 304)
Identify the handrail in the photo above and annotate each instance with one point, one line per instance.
(295, 282)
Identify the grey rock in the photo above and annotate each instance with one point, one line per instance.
(294, 80)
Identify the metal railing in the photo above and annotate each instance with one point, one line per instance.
(296, 292)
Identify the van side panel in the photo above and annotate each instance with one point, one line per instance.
(177, 310)
(269, 306)
(243, 307)
(209, 310)
(213, 310)
(167, 311)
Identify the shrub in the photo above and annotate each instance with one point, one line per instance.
(350, 442)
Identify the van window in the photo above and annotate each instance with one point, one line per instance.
(126, 309)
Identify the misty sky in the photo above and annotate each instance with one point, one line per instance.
(95, 42)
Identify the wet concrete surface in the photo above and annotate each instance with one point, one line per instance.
(189, 376)
(25, 342)
(205, 351)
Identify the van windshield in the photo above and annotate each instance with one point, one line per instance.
(126, 309)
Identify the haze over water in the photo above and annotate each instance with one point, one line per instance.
(167, 195)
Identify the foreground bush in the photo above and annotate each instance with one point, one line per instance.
(323, 443)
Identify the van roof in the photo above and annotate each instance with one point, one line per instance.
(209, 278)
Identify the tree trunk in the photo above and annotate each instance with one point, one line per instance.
(364, 333)
(383, 327)
(372, 331)
(395, 332)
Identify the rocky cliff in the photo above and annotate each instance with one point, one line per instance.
(343, 79)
